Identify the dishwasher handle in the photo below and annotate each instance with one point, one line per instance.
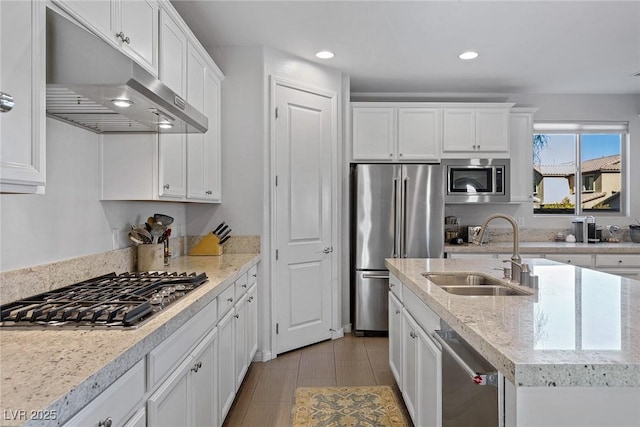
(476, 377)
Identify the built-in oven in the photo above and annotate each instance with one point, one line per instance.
(477, 180)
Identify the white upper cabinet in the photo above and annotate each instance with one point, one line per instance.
(419, 133)
(22, 76)
(173, 54)
(477, 130)
(521, 131)
(374, 133)
(391, 132)
(129, 25)
(173, 167)
(203, 150)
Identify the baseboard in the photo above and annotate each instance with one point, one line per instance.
(262, 356)
(337, 334)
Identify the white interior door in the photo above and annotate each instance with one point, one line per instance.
(304, 133)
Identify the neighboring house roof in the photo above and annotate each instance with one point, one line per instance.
(603, 164)
(587, 197)
(564, 169)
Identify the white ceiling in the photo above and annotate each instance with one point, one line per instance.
(581, 47)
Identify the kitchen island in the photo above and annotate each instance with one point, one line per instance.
(570, 351)
(53, 373)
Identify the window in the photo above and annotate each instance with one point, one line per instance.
(578, 168)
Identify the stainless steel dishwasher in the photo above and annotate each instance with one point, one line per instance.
(469, 384)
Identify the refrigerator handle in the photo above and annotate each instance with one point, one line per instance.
(394, 200)
(404, 217)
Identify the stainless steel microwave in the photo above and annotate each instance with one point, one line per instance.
(477, 180)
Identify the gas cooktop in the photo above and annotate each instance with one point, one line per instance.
(125, 301)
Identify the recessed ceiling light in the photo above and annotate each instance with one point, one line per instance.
(165, 125)
(122, 103)
(468, 55)
(325, 54)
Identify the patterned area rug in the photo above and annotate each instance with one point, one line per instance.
(346, 406)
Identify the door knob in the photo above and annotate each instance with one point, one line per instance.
(6, 102)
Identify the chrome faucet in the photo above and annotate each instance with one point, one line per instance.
(516, 261)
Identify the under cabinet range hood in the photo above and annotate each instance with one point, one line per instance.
(92, 85)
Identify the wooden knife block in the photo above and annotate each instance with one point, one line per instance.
(209, 245)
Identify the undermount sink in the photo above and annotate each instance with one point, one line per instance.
(472, 284)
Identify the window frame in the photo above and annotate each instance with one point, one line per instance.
(578, 129)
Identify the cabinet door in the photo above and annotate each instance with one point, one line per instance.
(409, 363)
(173, 162)
(212, 139)
(204, 374)
(173, 55)
(169, 405)
(240, 327)
(139, 22)
(459, 129)
(196, 71)
(226, 369)
(139, 419)
(419, 133)
(429, 381)
(521, 135)
(99, 16)
(22, 75)
(492, 130)
(252, 323)
(374, 133)
(395, 338)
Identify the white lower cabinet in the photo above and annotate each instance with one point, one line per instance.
(139, 419)
(252, 322)
(187, 397)
(116, 403)
(240, 330)
(414, 357)
(226, 369)
(395, 338)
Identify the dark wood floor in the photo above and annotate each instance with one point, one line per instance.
(266, 396)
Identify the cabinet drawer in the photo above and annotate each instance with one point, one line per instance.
(116, 402)
(252, 275)
(580, 260)
(225, 300)
(632, 261)
(426, 318)
(163, 359)
(241, 285)
(395, 286)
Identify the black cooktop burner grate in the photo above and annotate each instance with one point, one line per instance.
(111, 300)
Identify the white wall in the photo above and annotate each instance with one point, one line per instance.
(572, 108)
(70, 220)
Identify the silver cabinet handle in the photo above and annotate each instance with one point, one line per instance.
(107, 422)
(412, 334)
(209, 192)
(237, 316)
(230, 299)
(244, 286)
(327, 250)
(375, 276)
(197, 367)
(6, 102)
(122, 37)
(166, 186)
(397, 311)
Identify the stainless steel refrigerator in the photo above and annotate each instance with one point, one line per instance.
(397, 211)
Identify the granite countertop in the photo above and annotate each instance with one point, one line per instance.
(548, 248)
(63, 370)
(580, 328)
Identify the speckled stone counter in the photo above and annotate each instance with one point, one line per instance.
(580, 328)
(547, 248)
(63, 370)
